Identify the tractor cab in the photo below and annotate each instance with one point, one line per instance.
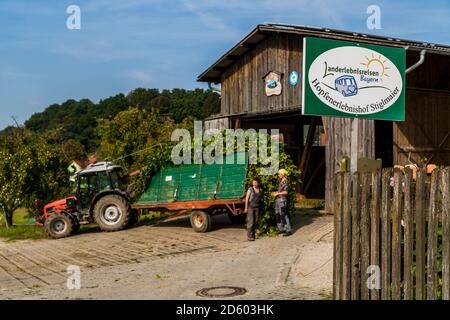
(96, 179)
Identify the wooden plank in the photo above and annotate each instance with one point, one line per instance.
(306, 154)
(408, 237)
(396, 235)
(420, 194)
(347, 237)
(386, 234)
(337, 251)
(329, 167)
(446, 233)
(365, 233)
(375, 227)
(432, 236)
(356, 211)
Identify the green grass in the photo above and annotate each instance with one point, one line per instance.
(22, 232)
(24, 227)
(317, 204)
(150, 217)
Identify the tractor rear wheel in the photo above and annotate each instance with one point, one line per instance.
(112, 213)
(200, 221)
(58, 225)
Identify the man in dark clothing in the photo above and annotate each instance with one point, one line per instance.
(252, 203)
(281, 207)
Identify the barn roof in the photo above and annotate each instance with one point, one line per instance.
(213, 73)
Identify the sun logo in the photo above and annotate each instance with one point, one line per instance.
(376, 65)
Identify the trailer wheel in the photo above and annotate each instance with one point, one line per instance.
(200, 221)
(237, 219)
(58, 225)
(112, 213)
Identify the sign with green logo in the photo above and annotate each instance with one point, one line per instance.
(354, 80)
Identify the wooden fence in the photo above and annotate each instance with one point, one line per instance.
(392, 235)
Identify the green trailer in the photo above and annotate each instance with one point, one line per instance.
(200, 190)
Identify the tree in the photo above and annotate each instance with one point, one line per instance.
(141, 97)
(72, 150)
(13, 180)
(30, 169)
(160, 104)
(211, 105)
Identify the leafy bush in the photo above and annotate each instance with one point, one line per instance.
(269, 183)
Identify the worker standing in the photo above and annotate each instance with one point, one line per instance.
(252, 204)
(281, 204)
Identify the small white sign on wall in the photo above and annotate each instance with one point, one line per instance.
(168, 178)
(272, 83)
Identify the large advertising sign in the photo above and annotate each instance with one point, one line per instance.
(354, 80)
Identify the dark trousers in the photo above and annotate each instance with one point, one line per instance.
(252, 222)
(281, 215)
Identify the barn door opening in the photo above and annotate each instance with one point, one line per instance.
(384, 148)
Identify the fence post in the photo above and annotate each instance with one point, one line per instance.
(386, 234)
(432, 236)
(396, 235)
(347, 237)
(365, 233)
(375, 226)
(420, 193)
(356, 263)
(446, 234)
(408, 220)
(337, 252)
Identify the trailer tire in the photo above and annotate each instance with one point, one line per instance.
(200, 221)
(239, 219)
(112, 213)
(59, 225)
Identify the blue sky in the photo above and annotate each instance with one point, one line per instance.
(162, 44)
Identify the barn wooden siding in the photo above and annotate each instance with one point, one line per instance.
(427, 125)
(243, 84)
(219, 123)
(425, 136)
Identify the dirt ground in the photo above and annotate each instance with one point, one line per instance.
(170, 261)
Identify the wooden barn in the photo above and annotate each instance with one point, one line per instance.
(318, 144)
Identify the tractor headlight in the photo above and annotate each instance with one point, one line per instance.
(70, 203)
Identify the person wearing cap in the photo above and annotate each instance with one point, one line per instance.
(281, 205)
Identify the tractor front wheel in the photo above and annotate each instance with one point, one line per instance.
(112, 213)
(200, 221)
(59, 225)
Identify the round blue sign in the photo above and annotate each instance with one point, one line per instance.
(293, 78)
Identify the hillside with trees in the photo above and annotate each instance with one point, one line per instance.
(78, 120)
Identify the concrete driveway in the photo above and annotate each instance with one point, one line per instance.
(170, 261)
